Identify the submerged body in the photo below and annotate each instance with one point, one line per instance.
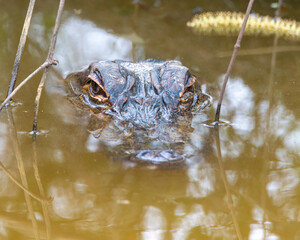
(152, 96)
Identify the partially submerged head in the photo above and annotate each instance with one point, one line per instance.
(155, 98)
(141, 93)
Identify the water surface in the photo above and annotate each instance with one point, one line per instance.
(253, 193)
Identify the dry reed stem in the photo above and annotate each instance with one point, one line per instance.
(234, 54)
(45, 64)
(49, 58)
(20, 47)
(41, 199)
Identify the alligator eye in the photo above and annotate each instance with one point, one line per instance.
(187, 95)
(95, 89)
(98, 92)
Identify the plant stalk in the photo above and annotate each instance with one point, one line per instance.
(20, 48)
(8, 98)
(50, 59)
(233, 57)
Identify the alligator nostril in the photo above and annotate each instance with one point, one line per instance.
(159, 156)
(171, 155)
(146, 155)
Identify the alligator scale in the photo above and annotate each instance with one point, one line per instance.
(147, 96)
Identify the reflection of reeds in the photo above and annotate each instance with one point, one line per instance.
(229, 23)
(45, 204)
(226, 185)
(21, 168)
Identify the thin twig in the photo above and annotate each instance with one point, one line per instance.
(21, 47)
(49, 58)
(41, 199)
(234, 54)
(45, 64)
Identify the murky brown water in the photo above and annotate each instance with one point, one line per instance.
(254, 193)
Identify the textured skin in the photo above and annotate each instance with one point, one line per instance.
(142, 93)
(152, 101)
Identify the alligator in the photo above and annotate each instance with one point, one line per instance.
(151, 100)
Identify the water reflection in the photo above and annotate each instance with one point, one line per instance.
(154, 224)
(94, 195)
(71, 200)
(238, 105)
(261, 231)
(201, 180)
(3, 139)
(109, 199)
(81, 42)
